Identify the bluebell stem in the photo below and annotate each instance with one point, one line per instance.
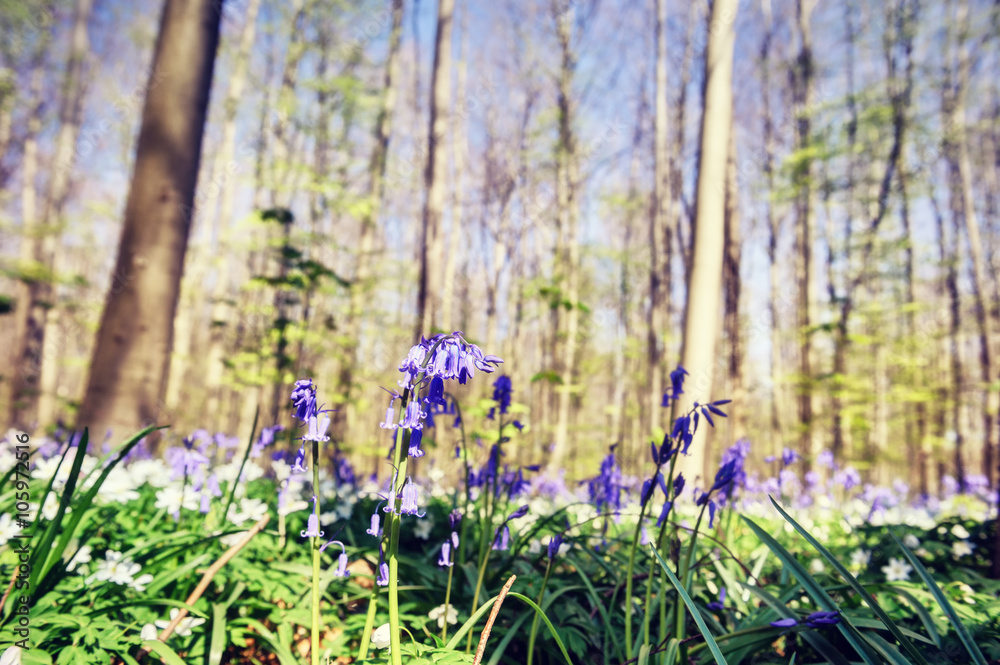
(312, 527)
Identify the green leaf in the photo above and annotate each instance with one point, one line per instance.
(861, 590)
(813, 588)
(963, 632)
(692, 608)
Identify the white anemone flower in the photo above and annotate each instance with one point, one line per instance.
(185, 625)
(961, 548)
(816, 566)
(115, 568)
(860, 558)
(380, 637)
(959, 531)
(250, 509)
(911, 541)
(175, 496)
(897, 570)
(140, 583)
(12, 656)
(148, 632)
(8, 529)
(439, 614)
(82, 556)
(118, 487)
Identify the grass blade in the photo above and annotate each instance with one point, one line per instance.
(857, 586)
(692, 609)
(963, 632)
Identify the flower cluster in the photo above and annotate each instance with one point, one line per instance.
(446, 357)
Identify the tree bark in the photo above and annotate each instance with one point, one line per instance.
(362, 284)
(701, 310)
(732, 288)
(435, 179)
(26, 386)
(129, 366)
(459, 150)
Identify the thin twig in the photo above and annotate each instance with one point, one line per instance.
(209, 574)
(493, 617)
(10, 587)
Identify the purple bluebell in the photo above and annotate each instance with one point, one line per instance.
(501, 539)
(416, 436)
(605, 489)
(312, 527)
(304, 399)
(342, 561)
(737, 454)
(678, 485)
(316, 426)
(676, 386)
(502, 390)
(375, 529)
(826, 459)
(383, 574)
(435, 393)
(413, 418)
(664, 512)
(821, 619)
(849, 478)
(711, 514)
(788, 622)
(454, 518)
(409, 501)
(446, 560)
(266, 438)
(390, 417)
(789, 456)
(554, 543)
(299, 465)
(518, 425)
(718, 605)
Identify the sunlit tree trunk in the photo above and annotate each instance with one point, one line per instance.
(362, 286)
(129, 366)
(459, 149)
(701, 311)
(41, 292)
(805, 226)
(659, 235)
(568, 249)
(732, 287)
(435, 179)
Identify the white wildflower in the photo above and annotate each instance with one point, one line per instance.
(183, 628)
(148, 632)
(82, 556)
(897, 570)
(12, 656)
(8, 529)
(961, 548)
(816, 566)
(115, 568)
(911, 541)
(439, 614)
(380, 637)
(860, 558)
(959, 531)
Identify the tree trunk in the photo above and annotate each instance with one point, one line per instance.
(568, 249)
(26, 387)
(701, 310)
(435, 179)
(659, 234)
(805, 228)
(736, 423)
(128, 373)
(362, 284)
(459, 149)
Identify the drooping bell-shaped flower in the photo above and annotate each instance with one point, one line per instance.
(304, 399)
(383, 574)
(316, 427)
(501, 541)
(342, 570)
(414, 417)
(375, 529)
(416, 436)
(409, 501)
(390, 417)
(312, 527)
(299, 465)
(554, 543)
(446, 560)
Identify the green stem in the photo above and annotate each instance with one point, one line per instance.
(314, 651)
(399, 464)
(366, 637)
(683, 566)
(534, 621)
(447, 603)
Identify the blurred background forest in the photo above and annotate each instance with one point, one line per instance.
(530, 172)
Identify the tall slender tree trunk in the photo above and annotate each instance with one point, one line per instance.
(701, 310)
(128, 373)
(41, 292)
(226, 177)
(805, 228)
(362, 286)
(732, 289)
(459, 149)
(568, 249)
(435, 178)
(659, 234)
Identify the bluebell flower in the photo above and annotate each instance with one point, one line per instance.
(435, 394)
(825, 458)
(383, 574)
(342, 561)
(605, 489)
(413, 418)
(667, 505)
(375, 529)
(454, 518)
(416, 436)
(736, 454)
(299, 465)
(518, 425)
(304, 399)
(678, 485)
(789, 456)
(266, 438)
(645, 536)
(316, 426)
(312, 527)
(787, 622)
(718, 605)
(554, 542)
(502, 390)
(501, 539)
(409, 501)
(711, 514)
(676, 386)
(390, 417)
(821, 619)
(446, 560)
